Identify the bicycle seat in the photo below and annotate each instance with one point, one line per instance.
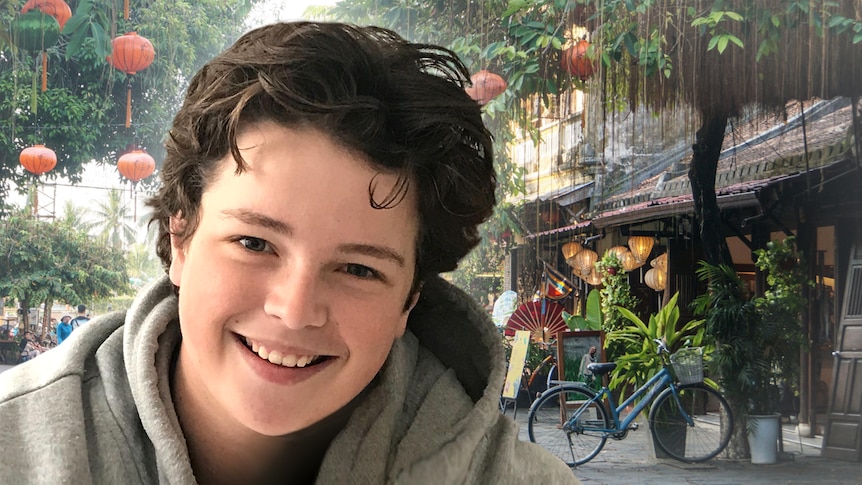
(602, 369)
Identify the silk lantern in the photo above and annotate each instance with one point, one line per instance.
(38, 159)
(576, 62)
(131, 53)
(486, 86)
(136, 165)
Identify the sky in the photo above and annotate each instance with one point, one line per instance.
(98, 180)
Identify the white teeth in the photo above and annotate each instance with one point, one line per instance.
(276, 357)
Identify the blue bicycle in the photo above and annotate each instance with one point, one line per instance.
(690, 421)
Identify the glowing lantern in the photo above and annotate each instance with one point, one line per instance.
(618, 251)
(660, 262)
(629, 262)
(576, 62)
(136, 165)
(38, 159)
(131, 53)
(584, 261)
(486, 86)
(656, 279)
(56, 8)
(570, 249)
(594, 279)
(641, 247)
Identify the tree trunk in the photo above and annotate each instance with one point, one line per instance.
(46, 319)
(701, 174)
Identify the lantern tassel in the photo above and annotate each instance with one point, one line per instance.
(44, 71)
(129, 106)
(34, 96)
(126, 9)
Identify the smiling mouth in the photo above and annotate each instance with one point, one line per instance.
(277, 358)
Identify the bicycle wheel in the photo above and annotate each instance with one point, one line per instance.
(713, 423)
(567, 423)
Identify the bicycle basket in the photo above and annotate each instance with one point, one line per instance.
(688, 365)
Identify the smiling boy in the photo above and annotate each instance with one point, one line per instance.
(318, 178)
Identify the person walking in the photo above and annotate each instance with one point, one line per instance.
(64, 329)
(81, 319)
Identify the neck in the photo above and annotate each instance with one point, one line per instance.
(223, 451)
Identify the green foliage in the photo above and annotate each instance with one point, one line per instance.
(757, 339)
(781, 306)
(593, 318)
(642, 362)
(81, 116)
(615, 291)
(44, 262)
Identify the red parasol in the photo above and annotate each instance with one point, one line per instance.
(542, 318)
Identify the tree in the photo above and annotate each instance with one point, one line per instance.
(75, 216)
(113, 221)
(81, 115)
(44, 262)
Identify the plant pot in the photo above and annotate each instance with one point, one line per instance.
(763, 438)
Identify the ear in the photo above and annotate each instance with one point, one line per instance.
(178, 252)
(402, 327)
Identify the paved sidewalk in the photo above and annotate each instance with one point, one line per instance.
(631, 461)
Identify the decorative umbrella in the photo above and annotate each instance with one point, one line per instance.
(542, 318)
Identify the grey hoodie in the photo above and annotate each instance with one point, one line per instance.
(98, 408)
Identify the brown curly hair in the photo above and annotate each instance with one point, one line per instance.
(402, 105)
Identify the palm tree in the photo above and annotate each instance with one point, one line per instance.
(75, 216)
(113, 220)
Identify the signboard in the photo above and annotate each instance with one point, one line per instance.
(516, 364)
(572, 348)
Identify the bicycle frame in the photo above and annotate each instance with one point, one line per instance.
(651, 389)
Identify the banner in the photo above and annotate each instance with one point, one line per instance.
(555, 285)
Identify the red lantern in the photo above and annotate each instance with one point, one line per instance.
(131, 53)
(486, 86)
(38, 159)
(136, 165)
(576, 62)
(56, 8)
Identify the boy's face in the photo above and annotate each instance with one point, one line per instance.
(290, 257)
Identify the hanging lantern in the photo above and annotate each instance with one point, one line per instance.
(594, 279)
(38, 159)
(35, 31)
(131, 53)
(570, 249)
(486, 86)
(656, 279)
(629, 262)
(660, 262)
(641, 247)
(584, 261)
(55, 8)
(618, 251)
(136, 165)
(576, 62)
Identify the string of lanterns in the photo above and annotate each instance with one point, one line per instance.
(583, 260)
(39, 26)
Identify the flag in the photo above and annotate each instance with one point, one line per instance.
(555, 285)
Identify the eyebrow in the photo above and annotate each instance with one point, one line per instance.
(374, 251)
(257, 219)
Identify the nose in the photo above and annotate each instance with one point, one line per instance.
(293, 297)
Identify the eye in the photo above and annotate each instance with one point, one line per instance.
(361, 271)
(254, 244)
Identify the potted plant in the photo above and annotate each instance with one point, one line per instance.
(757, 343)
